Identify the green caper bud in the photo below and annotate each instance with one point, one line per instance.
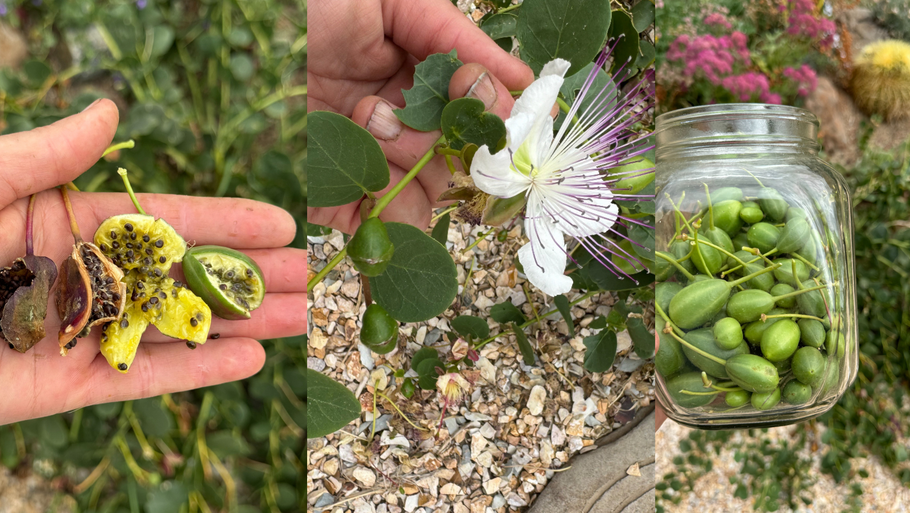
(370, 248)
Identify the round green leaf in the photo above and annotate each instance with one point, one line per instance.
(464, 122)
(162, 39)
(504, 313)
(153, 418)
(428, 373)
(344, 161)
(574, 30)
(420, 281)
(500, 26)
(334, 406)
(468, 325)
(643, 15)
(169, 497)
(427, 353)
(600, 351)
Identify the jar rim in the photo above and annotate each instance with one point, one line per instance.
(732, 111)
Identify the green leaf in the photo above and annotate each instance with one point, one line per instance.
(574, 83)
(428, 373)
(162, 39)
(504, 313)
(594, 276)
(501, 25)
(152, 416)
(170, 496)
(642, 339)
(52, 431)
(334, 406)
(9, 454)
(430, 94)
(420, 281)
(424, 354)
(465, 122)
(314, 230)
(643, 15)
(527, 352)
(344, 161)
(562, 303)
(441, 230)
(242, 67)
(644, 236)
(468, 325)
(574, 30)
(646, 54)
(626, 50)
(599, 323)
(226, 444)
(600, 351)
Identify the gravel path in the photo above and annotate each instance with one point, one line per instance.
(713, 492)
(520, 425)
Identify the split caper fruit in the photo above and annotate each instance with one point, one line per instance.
(227, 280)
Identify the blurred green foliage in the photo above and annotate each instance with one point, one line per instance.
(213, 92)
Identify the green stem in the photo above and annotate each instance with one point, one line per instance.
(798, 292)
(689, 392)
(415, 426)
(480, 237)
(753, 275)
(129, 189)
(509, 8)
(679, 339)
(800, 316)
(710, 208)
(741, 265)
(389, 196)
(803, 260)
(325, 270)
(119, 146)
(528, 323)
(450, 165)
(674, 263)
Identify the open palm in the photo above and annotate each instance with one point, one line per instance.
(363, 53)
(40, 382)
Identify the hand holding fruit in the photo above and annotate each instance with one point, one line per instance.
(40, 382)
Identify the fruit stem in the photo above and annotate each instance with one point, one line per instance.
(689, 392)
(119, 146)
(765, 317)
(77, 235)
(710, 208)
(675, 264)
(756, 178)
(679, 339)
(325, 270)
(753, 275)
(797, 292)
(796, 255)
(129, 188)
(29, 225)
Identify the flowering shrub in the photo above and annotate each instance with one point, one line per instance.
(714, 59)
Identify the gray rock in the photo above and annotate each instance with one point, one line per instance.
(432, 337)
(498, 501)
(317, 364)
(630, 365)
(451, 425)
(324, 500)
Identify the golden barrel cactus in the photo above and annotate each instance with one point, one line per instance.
(881, 79)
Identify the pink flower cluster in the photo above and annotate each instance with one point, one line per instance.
(718, 19)
(710, 55)
(749, 85)
(804, 77)
(804, 23)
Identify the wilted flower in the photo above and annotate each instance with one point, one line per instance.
(453, 387)
(563, 177)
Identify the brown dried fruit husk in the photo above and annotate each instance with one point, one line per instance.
(91, 292)
(24, 289)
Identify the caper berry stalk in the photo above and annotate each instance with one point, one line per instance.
(145, 248)
(24, 289)
(91, 291)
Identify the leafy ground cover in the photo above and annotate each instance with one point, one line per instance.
(213, 93)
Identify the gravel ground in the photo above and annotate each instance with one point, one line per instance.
(714, 493)
(520, 425)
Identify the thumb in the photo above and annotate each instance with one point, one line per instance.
(56, 154)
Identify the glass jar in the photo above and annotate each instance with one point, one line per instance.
(760, 287)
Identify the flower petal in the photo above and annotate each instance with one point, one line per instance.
(537, 101)
(493, 174)
(556, 67)
(544, 258)
(518, 126)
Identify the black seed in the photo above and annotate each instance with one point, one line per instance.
(222, 286)
(140, 285)
(128, 227)
(139, 246)
(104, 328)
(133, 236)
(147, 261)
(190, 344)
(145, 307)
(113, 235)
(249, 273)
(178, 284)
(158, 272)
(154, 300)
(230, 274)
(71, 344)
(115, 245)
(199, 316)
(216, 336)
(145, 238)
(149, 252)
(162, 259)
(159, 243)
(129, 245)
(11, 346)
(194, 322)
(162, 295)
(104, 248)
(122, 366)
(109, 280)
(124, 324)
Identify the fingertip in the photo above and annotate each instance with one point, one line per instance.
(473, 80)
(378, 117)
(244, 358)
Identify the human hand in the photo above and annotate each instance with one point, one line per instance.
(363, 54)
(40, 382)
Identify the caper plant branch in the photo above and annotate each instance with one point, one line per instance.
(438, 216)
(381, 204)
(480, 237)
(405, 417)
(528, 323)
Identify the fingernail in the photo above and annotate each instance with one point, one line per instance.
(384, 124)
(484, 90)
(91, 105)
